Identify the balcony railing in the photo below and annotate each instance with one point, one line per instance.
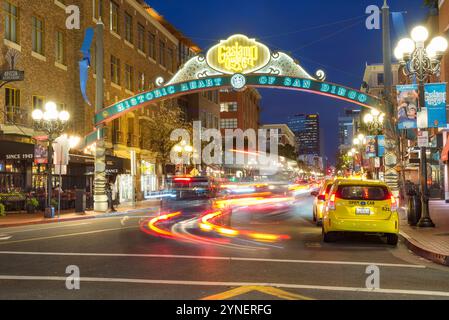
(133, 141)
(16, 116)
(117, 137)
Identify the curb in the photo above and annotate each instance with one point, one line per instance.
(414, 246)
(45, 221)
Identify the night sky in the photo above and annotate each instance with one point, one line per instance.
(341, 49)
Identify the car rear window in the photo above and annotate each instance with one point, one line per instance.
(360, 192)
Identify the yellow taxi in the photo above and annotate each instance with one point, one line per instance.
(320, 199)
(361, 206)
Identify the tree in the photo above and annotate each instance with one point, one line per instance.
(433, 4)
(287, 151)
(156, 131)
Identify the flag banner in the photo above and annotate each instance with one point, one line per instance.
(435, 97)
(407, 106)
(371, 151)
(40, 153)
(84, 64)
(380, 146)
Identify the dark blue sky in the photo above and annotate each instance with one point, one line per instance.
(340, 49)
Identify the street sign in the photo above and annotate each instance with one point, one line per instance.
(377, 162)
(12, 75)
(423, 139)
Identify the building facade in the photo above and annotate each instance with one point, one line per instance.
(139, 46)
(306, 128)
(240, 109)
(284, 133)
(347, 128)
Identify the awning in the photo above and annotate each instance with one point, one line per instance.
(10, 150)
(445, 152)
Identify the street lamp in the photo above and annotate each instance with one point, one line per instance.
(420, 63)
(374, 121)
(53, 123)
(358, 143)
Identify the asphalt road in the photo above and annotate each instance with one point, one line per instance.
(118, 260)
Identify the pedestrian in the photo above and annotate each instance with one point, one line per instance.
(114, 192)
(109, 194)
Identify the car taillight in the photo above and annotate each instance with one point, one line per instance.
(331, 204)
(394, 204)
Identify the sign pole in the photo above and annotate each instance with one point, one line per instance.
(100, 197)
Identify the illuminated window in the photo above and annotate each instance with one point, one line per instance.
(38, 102)
(114, 17)
(115, 70)
(170, 64)
(37, 37)
(228, 124)
(141, 81)
(128, 28)
(11, 22)
(228, 107)
(97, 8)
(12, 104)
(60, 47)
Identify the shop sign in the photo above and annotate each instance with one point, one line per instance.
(423, 139)
(12, 75)
(435, 97)
(238, 54)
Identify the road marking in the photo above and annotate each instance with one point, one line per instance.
(266, 290)
(161, 256)
(4, 237)
(232, 284)
(67, 235)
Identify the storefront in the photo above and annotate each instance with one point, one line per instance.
(16, 166)
(118, 170)
(445, 160)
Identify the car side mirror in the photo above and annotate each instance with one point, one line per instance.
(322, 198)
(314, 194)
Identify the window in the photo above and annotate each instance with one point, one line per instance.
(114, 17)
(170, 64)
(115, 70)
(128, 28)
(162, 53)
(38, 35)
(141, 37)
(38, 102)
(228, 107)
(141, 81)
(152, 46)
(12, 104)
(11, 22)
(129, 76)
(60, 47)
(380, 79)
(228, 124)
(373, 193)
(97, 8)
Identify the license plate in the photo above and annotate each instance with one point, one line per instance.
(363, 211)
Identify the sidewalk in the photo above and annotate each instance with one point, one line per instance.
(432, 243)
(22, 219)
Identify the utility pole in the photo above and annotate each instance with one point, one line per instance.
(100, 197)
(391, 143)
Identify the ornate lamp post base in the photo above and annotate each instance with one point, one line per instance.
(101, 203)
(426, 222)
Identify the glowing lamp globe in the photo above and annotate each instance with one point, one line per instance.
(420, 34)
(399, 54)
(439, 44)
(368, 118)
(50, 115)
(37, 115)
(406, 46)
(64, 116)
(50, 106)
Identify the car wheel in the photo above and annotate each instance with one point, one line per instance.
(329, 237)
(319, 223)
(392, 239)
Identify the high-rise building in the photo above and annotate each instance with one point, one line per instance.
(306, 128)
(346, 131)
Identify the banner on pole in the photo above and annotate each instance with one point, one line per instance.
(407, 111)
(435, 97)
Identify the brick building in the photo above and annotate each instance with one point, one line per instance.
(240, 109)
(139, 47)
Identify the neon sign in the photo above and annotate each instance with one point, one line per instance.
(238, 54)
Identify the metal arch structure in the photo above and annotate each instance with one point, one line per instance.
(236, 63)
(267, 70)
